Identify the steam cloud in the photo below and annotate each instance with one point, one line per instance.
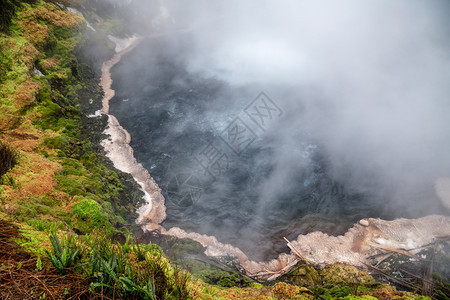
(369, 80)
(366, 81)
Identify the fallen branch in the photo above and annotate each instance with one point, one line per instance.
(400, 251)
(416, 276)
(273, 274)
(295, 251)
(427, 286)
(384, 258)
(283, 271)
(392, 278)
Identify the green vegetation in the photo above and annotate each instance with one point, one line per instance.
(132, 270)
(121, 271)
(61, 176)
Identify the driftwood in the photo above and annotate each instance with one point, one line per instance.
(416, 276)
(295, 251)
(392, 278)
(422, 280)
(283, 271)
(400, 251)
(272, 275)
(388, 255)
(436, 283)
(427, 286)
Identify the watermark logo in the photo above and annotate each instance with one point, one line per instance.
(238, 136)
(184, 189)
(215, 158)
(263, 111)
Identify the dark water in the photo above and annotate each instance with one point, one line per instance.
(187, 131)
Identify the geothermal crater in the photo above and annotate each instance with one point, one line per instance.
(214, 149)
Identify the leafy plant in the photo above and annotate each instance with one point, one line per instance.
(43, 225)
(64, 254)
(133, 271)
(39, 264)
(104, 270)
(145, 292)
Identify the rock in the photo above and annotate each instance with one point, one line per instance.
(364, 222)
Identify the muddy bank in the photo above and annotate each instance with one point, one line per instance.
(118, 149)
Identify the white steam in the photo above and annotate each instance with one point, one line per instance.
(377, 79)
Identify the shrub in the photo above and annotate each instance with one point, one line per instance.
(8, 158)
(90, 214)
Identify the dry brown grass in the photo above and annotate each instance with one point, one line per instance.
(50, 63)
(34, 32)
(37, 33)
(35, 174)
(20, 278)
(26, 93)
(53, 14)
(385, 294)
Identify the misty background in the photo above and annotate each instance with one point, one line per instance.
(364, 93)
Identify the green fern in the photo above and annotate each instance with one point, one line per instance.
(104, 270)
(64, 255)
(145, 292)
